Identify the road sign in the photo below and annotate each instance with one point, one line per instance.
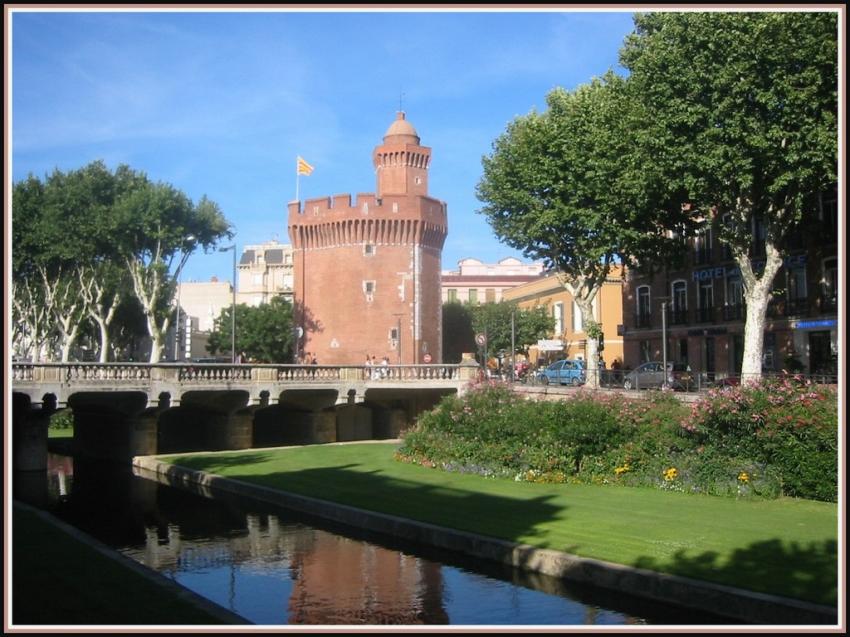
(481, 339)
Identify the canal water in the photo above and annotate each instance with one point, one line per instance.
(273, 566)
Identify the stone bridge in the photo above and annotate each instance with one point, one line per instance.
(122, 410)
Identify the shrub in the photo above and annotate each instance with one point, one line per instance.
(773, 438)
(784, 423)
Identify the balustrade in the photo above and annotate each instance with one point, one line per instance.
(211, 374)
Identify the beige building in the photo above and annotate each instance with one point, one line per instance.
(201, 302)
(477, 282)
(569, 338)
(264, 271)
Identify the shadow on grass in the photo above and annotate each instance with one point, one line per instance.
(482, 513)
(806, 573)
(800, 572)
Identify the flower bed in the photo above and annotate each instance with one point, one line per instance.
(776, 437)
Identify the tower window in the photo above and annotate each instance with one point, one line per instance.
(369, 250)
(417, 180)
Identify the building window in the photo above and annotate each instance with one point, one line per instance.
(490, 295)
(679, 307)
(417, 180)
(829, 285)
(452, 295)
(702, 245)
(473, 295)
(734, 308)
(797, 293)
(369, 289)
(395, 206)
(705, 301)
(578, 319)
(643, 308)
(828, 213)
(369, 250)
(257, 279)
(558, 315)
(394, 338)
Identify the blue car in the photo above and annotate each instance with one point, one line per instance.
(563, 372)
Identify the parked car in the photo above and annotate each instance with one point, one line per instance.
(651, 375)
(563, 372)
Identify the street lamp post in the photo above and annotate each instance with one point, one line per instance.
(664, 337)
(177, 354)
(233, 310)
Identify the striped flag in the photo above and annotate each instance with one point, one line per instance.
(302, 167)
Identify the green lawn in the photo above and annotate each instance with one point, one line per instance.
(786, 546)
(60, 432)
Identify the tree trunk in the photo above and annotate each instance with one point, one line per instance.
(585, 305)
(757, 295)
(104, 339)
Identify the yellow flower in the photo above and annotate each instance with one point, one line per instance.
(744, 476)
(623, 469)
(671, 474)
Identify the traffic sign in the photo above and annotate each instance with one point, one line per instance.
(481, 339)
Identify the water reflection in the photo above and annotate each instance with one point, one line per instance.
(273, 566)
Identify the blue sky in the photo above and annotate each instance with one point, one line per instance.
(220, 103)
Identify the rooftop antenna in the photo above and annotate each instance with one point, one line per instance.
(400, 98)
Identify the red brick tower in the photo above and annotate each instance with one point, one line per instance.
(367, 276)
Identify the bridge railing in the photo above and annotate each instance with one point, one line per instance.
(216, 373)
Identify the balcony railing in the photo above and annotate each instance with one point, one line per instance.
(705, 314)
(677, 316)
(643, 319)
(735, 312)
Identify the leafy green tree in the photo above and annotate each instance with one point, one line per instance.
(156, 228)
(264, 333)
(570, 187)
(494, 320)
(743, 122)
(458, 335)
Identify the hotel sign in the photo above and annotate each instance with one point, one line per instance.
(722, 271)
(812, 325)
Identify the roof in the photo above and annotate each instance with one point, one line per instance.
(247, 257)
(402, 128)
(274, 256)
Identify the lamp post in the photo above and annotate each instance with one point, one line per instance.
(664, 300)
(233, 310)
(177, 355)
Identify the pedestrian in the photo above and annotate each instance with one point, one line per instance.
(313, 363)
(367, 372)
(385, 367)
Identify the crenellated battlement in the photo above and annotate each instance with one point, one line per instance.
(339, 206)
(332, 221)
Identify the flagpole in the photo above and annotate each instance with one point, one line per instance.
(297, 181)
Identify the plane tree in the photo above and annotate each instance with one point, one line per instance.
(744, 123)
(570, 187)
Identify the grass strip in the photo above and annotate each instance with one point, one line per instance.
(57, 579)
(785, 547)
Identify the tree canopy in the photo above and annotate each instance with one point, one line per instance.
(263, 333)
(744, 125)
(572, 187)
(85, 238)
